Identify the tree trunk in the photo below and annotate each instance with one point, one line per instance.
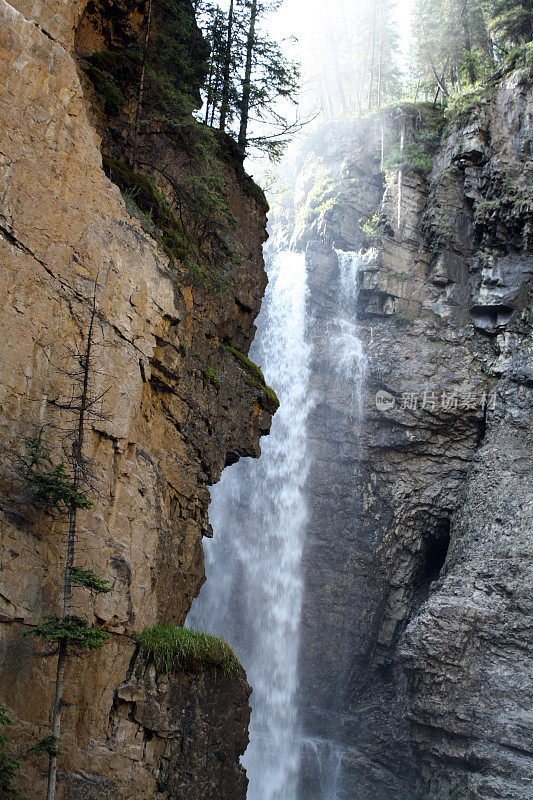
(77, 456)
(338, 81)
(380, 67)
(372, 61)
(211, 97)
(470, 68)
(246, 84)
(137, 124)
(56, 719)
(224, 106)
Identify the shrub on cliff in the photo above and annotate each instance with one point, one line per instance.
(255, 375)
(175, 648)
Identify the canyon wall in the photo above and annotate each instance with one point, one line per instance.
(413, 658)
(176, 405)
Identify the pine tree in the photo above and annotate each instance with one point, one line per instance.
(59, 488)
(227, 59)
(510, 22)
(253, 74)
(357, 69)
(452, 47)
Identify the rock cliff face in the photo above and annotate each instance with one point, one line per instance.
(413, 656)
(176, 407)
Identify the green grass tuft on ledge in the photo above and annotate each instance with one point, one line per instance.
(256, 377)
(172, 648)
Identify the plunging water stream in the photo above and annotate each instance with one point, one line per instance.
(253, 593)
(252, 596)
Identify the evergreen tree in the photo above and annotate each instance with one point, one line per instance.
(452, 47)
(9, 766)
(253, 75)
(356, 69)
(510, 22)
(59, 488)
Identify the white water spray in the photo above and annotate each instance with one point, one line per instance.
(344, 362)
(348, 349)
(253, 593)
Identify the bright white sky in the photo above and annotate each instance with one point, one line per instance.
(299, 18)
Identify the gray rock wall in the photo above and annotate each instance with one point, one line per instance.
(414, 643)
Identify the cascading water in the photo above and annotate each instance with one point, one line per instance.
(346, 344)
(253, 593)
(340, 361)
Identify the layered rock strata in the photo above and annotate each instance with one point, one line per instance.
(414, 634)
(176, 406)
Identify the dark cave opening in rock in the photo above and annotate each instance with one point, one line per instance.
(432, 559)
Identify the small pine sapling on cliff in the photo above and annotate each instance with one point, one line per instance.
(59, 488)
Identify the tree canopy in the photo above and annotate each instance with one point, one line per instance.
(248, 75)
(458, 43)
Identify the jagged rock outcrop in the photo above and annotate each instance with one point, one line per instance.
(176, 407)
(414, 633)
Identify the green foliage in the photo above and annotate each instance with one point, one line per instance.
(412, 157)
(487, 208)
(462, 105)
(76, 632)
(111, 72)
(327, 204)
(249, 78)
(247, 363)
(268, 390)
(8, 766)
(52, 485)
(105, 86)
(452, 47)
(519, 58)
(160, 220)
(143, 190)
(421, 144)
(442, 228)
(171, 648)
(176, 64)
(510, 22)
(460, 43)
(510, 207)
(121, 63)
(403, 319)
(48, 744)
(144, 217)
(88, 579)
(175, 232)
(372, 230)
(255, 376)
(212, 376)
(175, 68)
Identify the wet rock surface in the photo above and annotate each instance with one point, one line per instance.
(414, 645)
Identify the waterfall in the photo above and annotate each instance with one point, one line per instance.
(348, 353)
(254, 589)
(253, 593)
(335, 423)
